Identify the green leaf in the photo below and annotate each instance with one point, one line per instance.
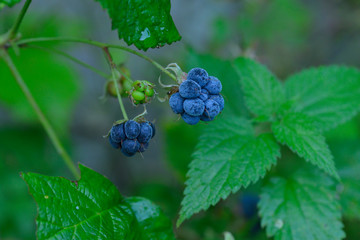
(299, 133)
(8, 3)
(301, 208)
(264, 94)
(93, 208)
(225, 72)
(87, 209)
(228, 157)
(154, 225)
(331, 95)
(146, 24)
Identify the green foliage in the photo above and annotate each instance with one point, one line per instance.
(8, 3)
(153, 224)
(331, 95)
(301, 208)
(180, 144)
(263, 92)
(92, 207)
(299, 133)
(22, 149)
(263, 21)
(227, 157)
(146, 24)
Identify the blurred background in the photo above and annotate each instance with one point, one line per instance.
(285, 35)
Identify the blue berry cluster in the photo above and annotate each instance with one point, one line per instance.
(131, 137)
(198, 97)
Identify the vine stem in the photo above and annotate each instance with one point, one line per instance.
(15, 28)
(98, 44)
(47, 126)
(112, 67)
(64, 54)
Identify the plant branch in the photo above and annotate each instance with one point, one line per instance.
(47, 126)
(113, 66)
(98, 44)
(14, 30)
(64, 54)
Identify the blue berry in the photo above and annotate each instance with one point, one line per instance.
(194, 107)
(153, 129)
(213, 86)
(190, 119)
(198, 75)
(176, 103)
(145, 132)
(212, 108)
(115, 145)
(206, 118)
(117, 133)
(219, 99)
(249, 205)
(143, 147)
(132, 129)
(204, 91)
(189, 89)
(130, 147)
(203, 96)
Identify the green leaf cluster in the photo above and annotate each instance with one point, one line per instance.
(235, 152)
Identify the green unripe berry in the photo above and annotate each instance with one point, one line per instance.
(127, 85)
(149, 91)
(137, 95)
(139, 85)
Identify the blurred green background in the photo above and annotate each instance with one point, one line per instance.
(286, 35)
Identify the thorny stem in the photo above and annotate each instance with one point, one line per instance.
(47, 126)
(113, 66)
(64, 54)
(97, 44)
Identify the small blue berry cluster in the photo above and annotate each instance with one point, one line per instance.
(198, 98)
(131, 137)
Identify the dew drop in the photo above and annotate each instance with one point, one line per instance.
(145, 34)
(279, 223)
(46, 196)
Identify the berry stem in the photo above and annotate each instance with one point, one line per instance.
(113, 69)
(64, 54)
(97, 44)
(47, 126)
(14, 30)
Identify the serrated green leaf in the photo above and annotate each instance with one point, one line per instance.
(301, 208)
(87, 209)
(264, 94)
(331, 95)
(93, 208)
(146, 24)
(300, 134)
(8, 3)
(228, 157)
(154, 225)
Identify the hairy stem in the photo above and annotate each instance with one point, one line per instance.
(98, 44)
(112, 66)
(64, 54)
(14, 30)
(47, 126)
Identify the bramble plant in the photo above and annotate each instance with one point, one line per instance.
(284, 122)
